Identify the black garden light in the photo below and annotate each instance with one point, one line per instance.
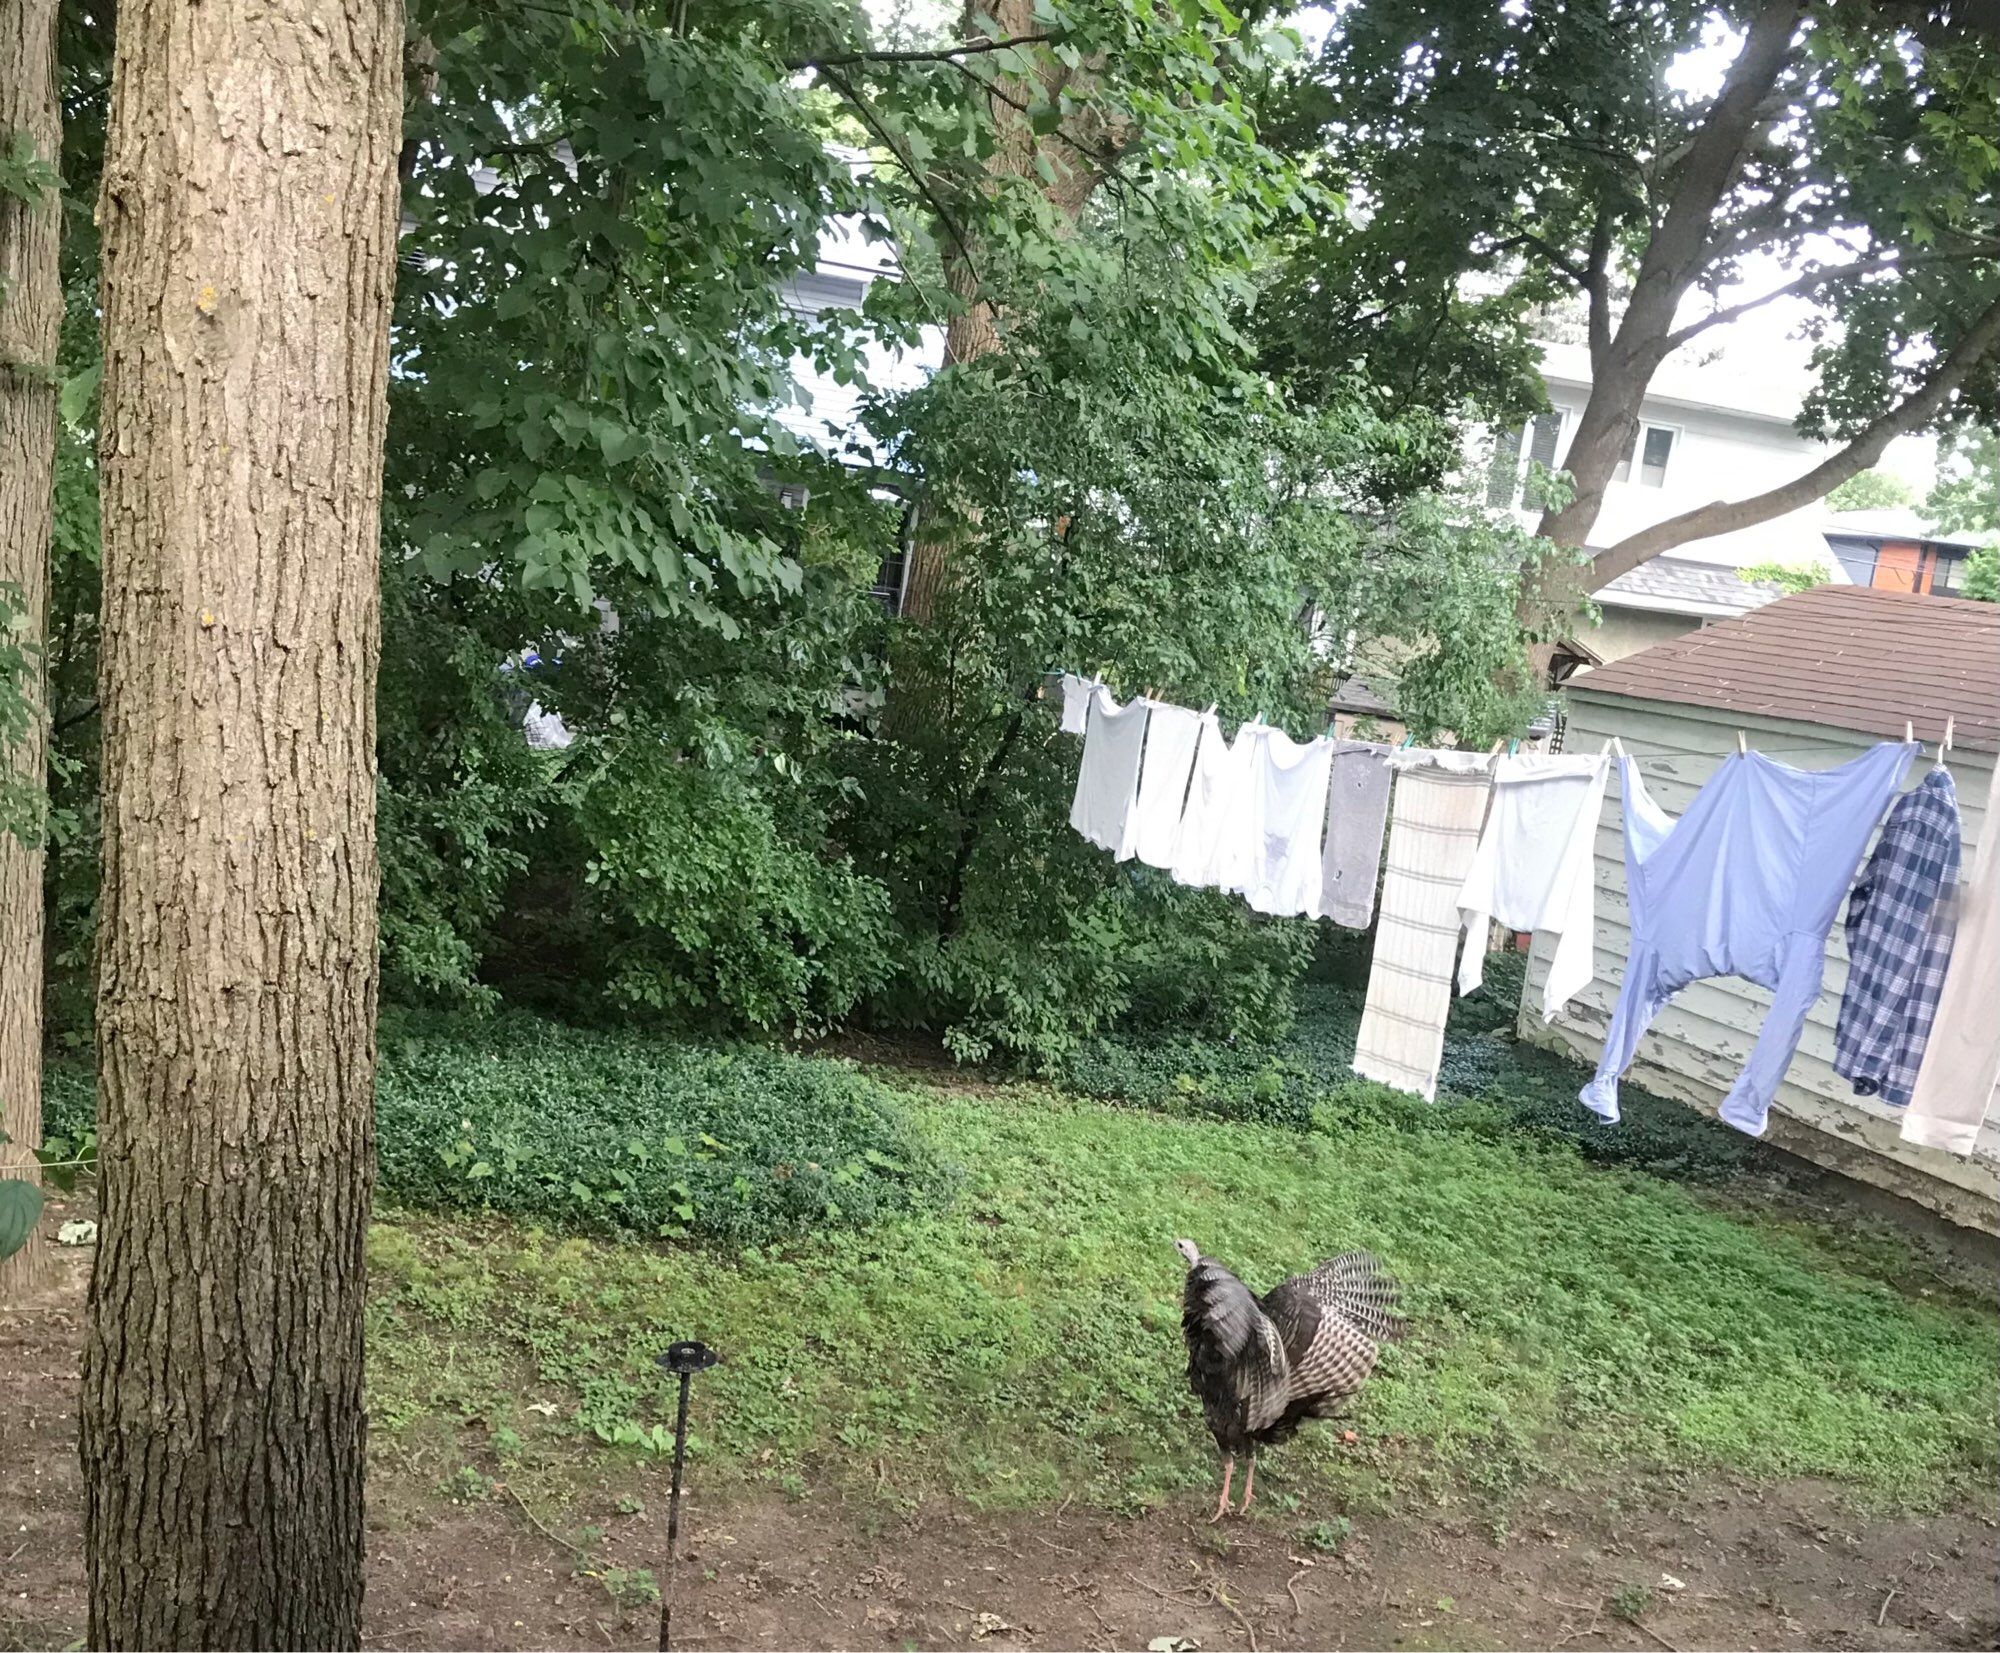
(684, 1360)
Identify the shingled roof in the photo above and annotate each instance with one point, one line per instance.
(1680, 585)
(1849, 657)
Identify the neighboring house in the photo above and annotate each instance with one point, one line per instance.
(1810, 680)
(1707, 431)
(1897, 550)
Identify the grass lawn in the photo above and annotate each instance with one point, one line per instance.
(1014, 1339)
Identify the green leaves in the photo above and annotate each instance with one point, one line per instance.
(20, 1210)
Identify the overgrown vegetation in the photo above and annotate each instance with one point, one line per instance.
(611, 1134)
(1022, 1341)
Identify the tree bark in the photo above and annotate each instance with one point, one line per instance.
(30, 321)
(249, 212)
(1079, 153)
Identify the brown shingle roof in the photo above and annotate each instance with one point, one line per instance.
(1850, 657)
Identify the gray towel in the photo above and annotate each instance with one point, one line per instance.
(1357, 808)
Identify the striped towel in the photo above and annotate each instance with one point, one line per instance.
(1434, 835)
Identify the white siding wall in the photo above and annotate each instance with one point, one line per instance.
(1698, 1044)
(1717, 454)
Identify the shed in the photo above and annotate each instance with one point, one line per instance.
(1811, 680)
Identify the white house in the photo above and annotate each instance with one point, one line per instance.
(1708, 430)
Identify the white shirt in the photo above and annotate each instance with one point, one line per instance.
(1533, 869)
(1076, 702)
(1172, 733)
(1290, 784)
(1205, 857)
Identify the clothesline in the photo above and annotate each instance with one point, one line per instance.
(1746, 881)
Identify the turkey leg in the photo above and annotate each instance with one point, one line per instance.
(1222, 1504)
(1249, 1485)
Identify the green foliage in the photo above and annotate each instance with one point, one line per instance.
(1787, 576)
(1982, 575)
(1022, 1344)
(1965, 498)
(25, 175)
(1488, 1083)
(20, 1210)
(1505, 160)
(617, 1135)
(1871, 491)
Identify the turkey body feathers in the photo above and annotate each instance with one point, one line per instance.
(1260, 1367)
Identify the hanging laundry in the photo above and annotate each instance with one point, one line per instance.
(1534, 869)
(1357, 814)
(1214, 847)
(1746, 883)
(1172, 733)
(1899, 937)
(1440, 805)
(1290, 781)
(1959, 1082)
(1108, 777)
(1076, 693)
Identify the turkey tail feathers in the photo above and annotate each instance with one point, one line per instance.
(1355, 1286)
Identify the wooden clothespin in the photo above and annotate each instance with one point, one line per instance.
(1949, 724)
(1497, 746)
(1742, 745)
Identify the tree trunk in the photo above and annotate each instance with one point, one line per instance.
(249, 212)
(30, 319)
(1079, 155)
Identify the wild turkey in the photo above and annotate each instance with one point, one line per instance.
(1262, 1366)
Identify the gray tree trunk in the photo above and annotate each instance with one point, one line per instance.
(30, 321)
(249, 209)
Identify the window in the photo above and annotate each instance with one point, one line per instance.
(1654, 446)
(1514, 451)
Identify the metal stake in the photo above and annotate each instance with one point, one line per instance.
(684, 1360)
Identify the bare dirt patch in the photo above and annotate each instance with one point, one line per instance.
(1711, 1564)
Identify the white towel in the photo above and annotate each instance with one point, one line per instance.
(1108, 776)
(1290, 781)
(1533, 870)
(1959, 1082)
(1433, 836)
(1213, 842)
(1172, 733)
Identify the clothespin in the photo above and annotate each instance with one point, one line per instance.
(1497, 745)
(1949, 724)
(1742, 746)
(1909, 732)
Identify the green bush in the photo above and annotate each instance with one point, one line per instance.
(619, 1134)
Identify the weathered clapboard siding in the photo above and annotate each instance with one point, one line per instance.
(1698, 1044)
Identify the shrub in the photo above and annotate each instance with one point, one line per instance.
(619, 1134)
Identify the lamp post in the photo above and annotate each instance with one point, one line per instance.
(683, 1360)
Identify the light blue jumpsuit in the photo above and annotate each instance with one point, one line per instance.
(1746, 883)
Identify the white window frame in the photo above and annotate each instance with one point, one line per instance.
(1523, 455)
(1633, 462)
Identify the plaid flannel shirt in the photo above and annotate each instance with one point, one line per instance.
(1899, 935)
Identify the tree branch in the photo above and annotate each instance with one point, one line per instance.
(940, 54)
(1597, 284)
(1812, 279)
(908, 164)
(1727, 516)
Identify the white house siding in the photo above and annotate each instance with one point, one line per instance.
(1698, 1044)
(1718, 453)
